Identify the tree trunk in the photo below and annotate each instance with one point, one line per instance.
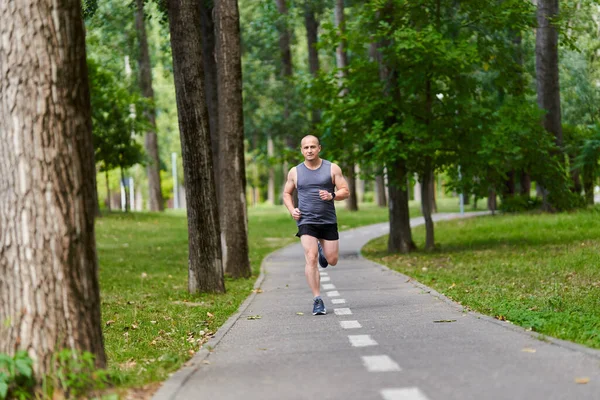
(205, 263)
(155, 199)
(588, 185)
(271, 182)
(547, 77)
(211, 83)
(432, 200)
(491, 203)
(380, 191)
(351, 202)
(234, 219)
(400, 238)
(426, 179)
(124, 184)
(525, 184)
(509, 185)
(312, 37)
(49, 293)
(108, 203)
(342, 63)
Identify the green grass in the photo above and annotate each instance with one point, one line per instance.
(539, 271)
(151, 324)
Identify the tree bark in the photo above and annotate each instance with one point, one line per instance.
(491, 203)
(400, 238)
(352, 201)
(426, 179)
(155, 199)
(312, 37)
(49, 293)
(108, 203)
(271, 181)
(432, 200)
(211, 83)
(205, 266)
(234, 219)
(380, 191)
(525, 183)
(588, 185)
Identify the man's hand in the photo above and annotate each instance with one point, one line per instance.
(296, 214)
(325, 195)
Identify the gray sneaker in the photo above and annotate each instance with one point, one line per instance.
(319, 307)
(322, 260)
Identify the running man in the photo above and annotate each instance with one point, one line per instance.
(316, 181)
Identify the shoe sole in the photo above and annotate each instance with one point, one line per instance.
(320, 313)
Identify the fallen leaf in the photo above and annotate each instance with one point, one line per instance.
(153, 322)
(445, 320)
(191, 352)
(299, 313)
(209, 315)
(144, 275)
(259, 290)
(528, 350)
(205, 362)
(109, 323)
(134, 326)
(500, 317)
(254, 317)
(582, 381)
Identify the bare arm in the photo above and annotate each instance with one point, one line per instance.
(342, 192)
(288, 194)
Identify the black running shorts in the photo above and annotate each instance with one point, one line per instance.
(320, 231)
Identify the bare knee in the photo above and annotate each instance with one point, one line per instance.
(311, 259)
(333, 261)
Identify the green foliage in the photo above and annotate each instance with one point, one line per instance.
(16, 376)
(74, 375)
(519, 204)
(113, 121)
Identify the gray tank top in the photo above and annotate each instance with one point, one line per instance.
(313, 210)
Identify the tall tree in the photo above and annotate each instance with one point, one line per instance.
(341, 57)
(210, 84)
(205, 257)
(234, 219)
(49, 293)
(312, 38)
(155, 199)
(546, 68)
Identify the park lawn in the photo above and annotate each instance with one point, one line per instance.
(151, 324)
(539, 271)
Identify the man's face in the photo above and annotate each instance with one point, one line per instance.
(310, 149)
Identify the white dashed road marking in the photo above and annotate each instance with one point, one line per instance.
(338, 301)
(328, 286)
(342, 311)
(350, 324)
(380, 364)
(403, 394)
(325, 279)
(323, 273)
(361, 340)
(335, 293)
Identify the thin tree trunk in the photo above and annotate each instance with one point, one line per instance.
(432, 200)
(525, 184)
(380, 191)
(588, 185)
(108, 205)
(271, 182)
(426, 208)
(547, 77)
(400, 238)
(205, 264)
(211, 83)
(234, 219)
(155, 199)
(342, 63)
(124, 184)
(49, 292)
(312, 37)
(491, 203)
(351, 202)
(509, 185)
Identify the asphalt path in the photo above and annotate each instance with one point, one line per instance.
(384, 337)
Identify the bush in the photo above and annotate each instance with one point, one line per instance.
(74, 375)
(519, 203)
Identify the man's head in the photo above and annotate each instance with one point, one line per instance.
(310, 147)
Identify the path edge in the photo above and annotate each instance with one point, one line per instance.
(177, 380)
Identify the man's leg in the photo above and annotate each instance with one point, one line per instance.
(331, 250)
(309, 243)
